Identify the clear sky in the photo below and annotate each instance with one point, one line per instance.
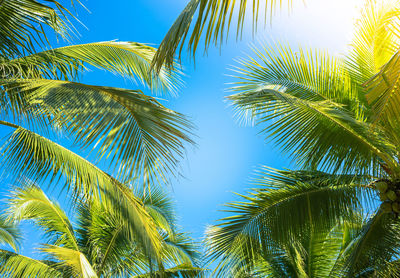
(227, 153)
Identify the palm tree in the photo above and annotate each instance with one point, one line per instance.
(255, 242)
(319, 112)
(100, 244)
(213, 18)
(129, 133)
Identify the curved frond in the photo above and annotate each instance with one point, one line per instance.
(374, 247)
(31, 155)
(111, 252)
(183, 271)
(178, 32)
(318, 133)
(72, 259)
(305, 73)
(374, 40)
(212, 24)
(128, 59)
(22, 24)
(376, 52)
(311, 110)
(15, 265)
(134, 131)
(105, 241)
(31, 203)
(179, 248)
(9, 233)
(159, 205)
(288, 204)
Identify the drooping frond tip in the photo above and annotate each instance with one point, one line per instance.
(211, 25)
(23, 23)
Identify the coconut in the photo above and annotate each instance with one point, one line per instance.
(391, 195)
(386, 207)
(396, 207)
(381, 186)
(383, 197)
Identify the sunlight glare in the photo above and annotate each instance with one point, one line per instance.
(323, 24)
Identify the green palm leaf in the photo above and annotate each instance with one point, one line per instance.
(374, 247)
(312, 112)
(375, 56)
(183, 271)
(30, 203)
(159, 206)
(288, 204)
(179, 248)
(16, 265)
(9, 233)
(36, 157)
(22, 24)
(213, 20)
(128, 59)
(135, 132)
(72, 259)
(104, 238)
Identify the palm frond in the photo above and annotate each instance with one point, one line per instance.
(177, 33)
(128, 59)
(31, 203)
(288, 204)
(391, 269)
(318, 133)
(22, 24)
(306, 73)
(134, 131)
(16, 265)
(107, 247)
(374, 40)
(103, 237)
(9, 233)
(374, 247)
(214, 19)
(159, 205)
(30, 155)
(312, 109)
(323, 247)
(132, 262)
(72, 259)
(182, 271)
(179, 248)
(375, 51)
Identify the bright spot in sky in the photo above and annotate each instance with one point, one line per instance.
(326, 24)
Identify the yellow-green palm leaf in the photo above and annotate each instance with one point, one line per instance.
(128, 59)
(210, 20)
(39, 158)
(136, 134)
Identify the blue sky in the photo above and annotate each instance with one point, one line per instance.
(226, 153)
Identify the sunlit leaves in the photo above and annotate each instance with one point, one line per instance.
(31, 203)
(100, 245)
(374, 58)
(73, 259)
(35, 156)
(16, 265)
(287, 205)
(9, 233)
(23, 21)
(133, 131)
(212, 24)
(128, 59)
(315, 108)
